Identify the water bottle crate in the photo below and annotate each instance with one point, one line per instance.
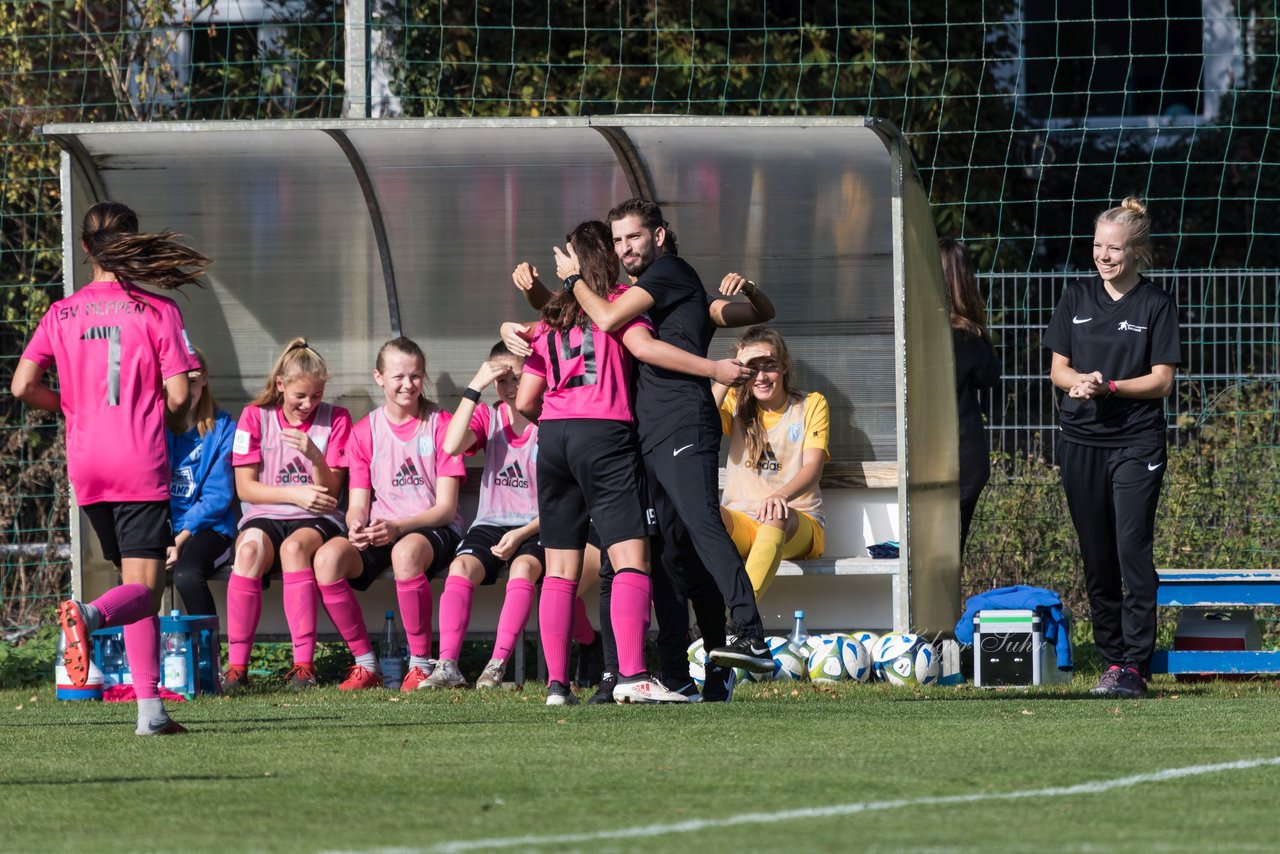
(199, 663)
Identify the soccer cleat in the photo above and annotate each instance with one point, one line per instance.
(493, 673)
(1106, 686)
(688, 689)
(604, 691)
(445, 675)
(719, 684)
(166, 727)
(558, 694)
(75, 634)
(590, 663)
(359, 678)
(415, 677)
(1129, 684)
(234, 679)
(749, 653)
(302, 676)
(645, 689)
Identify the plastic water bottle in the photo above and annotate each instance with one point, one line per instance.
(799, 638)
(391, 663)
(113, 665)
(175, 646)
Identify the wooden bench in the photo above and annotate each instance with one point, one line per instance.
(1217, 588)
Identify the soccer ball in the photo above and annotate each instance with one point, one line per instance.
(826, 662)
(698, 662)
(789, 663)
(857, 661)
(868, 639)
(917, 665)
(889, 647)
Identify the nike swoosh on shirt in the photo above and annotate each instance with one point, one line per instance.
(677, 451)
(1153, 467)
(1075, 319)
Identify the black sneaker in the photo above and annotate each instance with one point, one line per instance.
(558, 694)
(1106, 686)
(745, 652)
(604, 692)
(590, 664)
(718, 687)
(688, 688)
(1129, 684)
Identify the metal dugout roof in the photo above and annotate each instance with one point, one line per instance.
(351, 231)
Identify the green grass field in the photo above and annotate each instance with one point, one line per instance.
(865, 768)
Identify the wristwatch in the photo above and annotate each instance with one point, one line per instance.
(571, 280)
(750, 288)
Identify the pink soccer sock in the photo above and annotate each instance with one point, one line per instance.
(516, 607)
(583, 632)
(301, 612)
(142, 646)
(343, 609)
(244, 607)
(555, 615)
(125, 604)
(629, 613)
(455, 615)
(414, 597)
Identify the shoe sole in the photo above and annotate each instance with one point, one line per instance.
(75, 656)
(625, 699)
(730, 660)
(556, 700)
(427, 685)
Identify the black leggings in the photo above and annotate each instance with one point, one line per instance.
(200, 558)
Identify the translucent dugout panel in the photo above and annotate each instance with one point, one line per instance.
(348, 232)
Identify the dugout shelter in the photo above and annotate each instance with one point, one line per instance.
(350, 232)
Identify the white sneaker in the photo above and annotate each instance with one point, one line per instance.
(445, 675)
(645, 689)
(492, 675)
(559, 694)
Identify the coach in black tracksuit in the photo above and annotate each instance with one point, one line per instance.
(1115, 343)
(678, 421)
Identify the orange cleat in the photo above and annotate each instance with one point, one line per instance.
(302, 676)
(76, 654)
(234, 679)
(360, 678)
(415, 677)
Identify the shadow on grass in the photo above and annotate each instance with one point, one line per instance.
(170, 778)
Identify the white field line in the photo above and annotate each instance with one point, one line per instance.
(696, 825)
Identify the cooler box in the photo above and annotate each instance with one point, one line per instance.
(199, 665)
(1215, 630)
(1009, 649)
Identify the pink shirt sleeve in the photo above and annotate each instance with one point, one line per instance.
(536, 363)
(360, 454)
(246, 450)
(447, 465)
(335, 453)
(172, 344)
(481, 418)
(40, 348)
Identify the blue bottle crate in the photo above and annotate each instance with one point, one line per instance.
(203, 653)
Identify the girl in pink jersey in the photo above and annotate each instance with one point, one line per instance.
(122, 358)
(772, 504)
(505, 530)
(290, 465)
(577, 384)
(403, 513)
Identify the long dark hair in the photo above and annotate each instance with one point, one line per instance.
(593, 243)
(113, 243)
(968, 309)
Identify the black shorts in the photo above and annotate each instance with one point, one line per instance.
(140, 529)
(278, 530)
(377, 559)
(478, 541)
(589, 471)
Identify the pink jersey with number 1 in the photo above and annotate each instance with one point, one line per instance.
(114, 346)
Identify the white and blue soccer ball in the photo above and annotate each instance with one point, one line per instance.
(916, 664)
(868, 639)
(857, 661)
(698, 662)
(889, 647)
(789, 663)
(826, 662)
